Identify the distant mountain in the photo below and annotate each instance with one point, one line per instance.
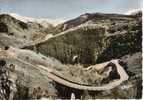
(91, 18)
(18, 30)
(42, 21)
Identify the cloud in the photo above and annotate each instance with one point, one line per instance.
(132, 11)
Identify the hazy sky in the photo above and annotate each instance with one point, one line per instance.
(66, 9)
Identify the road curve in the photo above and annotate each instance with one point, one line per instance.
(55, 76)
(111, 85)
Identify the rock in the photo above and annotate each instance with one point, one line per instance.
(3, 27)
(73, 96)
(7, 81)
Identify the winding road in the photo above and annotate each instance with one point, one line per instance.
(111, 85)
(52, 74)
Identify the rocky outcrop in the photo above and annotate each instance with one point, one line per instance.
(8, 79)
(4, 88)
(3, 27)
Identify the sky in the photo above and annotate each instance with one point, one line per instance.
(67, 9)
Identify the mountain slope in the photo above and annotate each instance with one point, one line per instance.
(97, 40)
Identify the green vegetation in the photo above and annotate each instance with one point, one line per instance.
(85, 44)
